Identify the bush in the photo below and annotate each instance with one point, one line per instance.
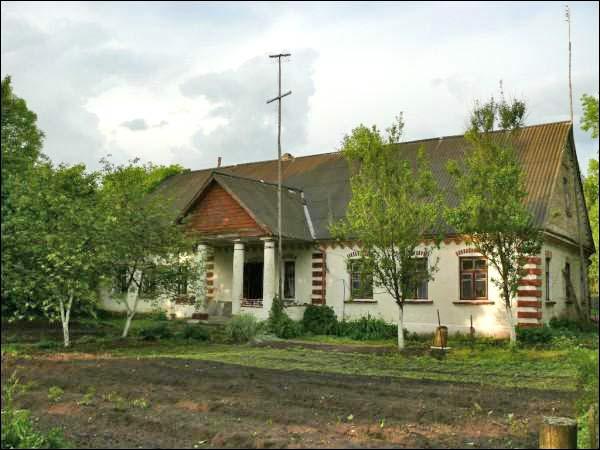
(534, 336)
(319, 320)
(574, 326)
(158, 315)
(18, 430)
(287, 328)
(196, 333)
(242, 328)
(280, 324)
(367, 328)
(156, 331)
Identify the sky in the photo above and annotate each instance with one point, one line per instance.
(187, 82)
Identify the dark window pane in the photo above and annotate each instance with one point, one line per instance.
(289, 285)
(467, 264)
(481, 286)
(466, 287)
(481, 264)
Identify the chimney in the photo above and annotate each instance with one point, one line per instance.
(219, 161)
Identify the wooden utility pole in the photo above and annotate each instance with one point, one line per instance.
(585, 300)
(280, 241)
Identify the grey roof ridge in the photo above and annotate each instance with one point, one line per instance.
(414, 141)
(217, 172)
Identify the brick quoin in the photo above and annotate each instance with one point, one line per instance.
(529, 325)
(529, 304)
(529, 293)
(530, 282)
(529, 314)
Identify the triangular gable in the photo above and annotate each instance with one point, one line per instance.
(216, 212)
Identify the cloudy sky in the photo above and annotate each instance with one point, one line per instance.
(188, 82)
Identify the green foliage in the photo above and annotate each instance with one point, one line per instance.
(319, 319)
(586, 364)
(279, 322)
(534, 336)
(241, 329)
(196, 332)
(491, 194)
(18, 430)
(589, 121)
(159, 330)
(88, 397)
(367, 328)
(395, 203)
(148, 248)
(55, 393)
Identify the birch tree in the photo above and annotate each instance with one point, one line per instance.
(395, 205)
(145, 240)
(491, 210)
(55, 256)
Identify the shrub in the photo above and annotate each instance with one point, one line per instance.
(534, 336)
(18, 430)
(158, 315)
(280, 324)
(574, 326)
(287, 328)
(156, 331)
(242, 328)
(196, 333)
(319, 320)
(367, 328)
(45, 344)
(55, 393)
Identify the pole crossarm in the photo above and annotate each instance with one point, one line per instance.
(279, 97)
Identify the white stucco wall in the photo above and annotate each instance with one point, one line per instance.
(443, 291)
(560, 255)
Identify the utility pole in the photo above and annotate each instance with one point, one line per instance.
(568, 20)
(583, 272)
(280, 241)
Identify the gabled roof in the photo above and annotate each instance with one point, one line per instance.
(259, 199)
(325, 178)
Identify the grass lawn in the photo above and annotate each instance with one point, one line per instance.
(311, 392)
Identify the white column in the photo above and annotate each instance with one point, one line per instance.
(268, 274)
(202, 253)
(237, 281)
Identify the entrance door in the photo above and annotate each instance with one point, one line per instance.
(253, 280)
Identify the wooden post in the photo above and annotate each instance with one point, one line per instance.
(592, 425)
(558, 432)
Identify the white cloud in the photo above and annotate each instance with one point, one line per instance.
(194, 77)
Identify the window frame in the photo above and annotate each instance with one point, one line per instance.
(424, 282)
(361, 277)
(547, 278)
(473, 272)
(285, 279)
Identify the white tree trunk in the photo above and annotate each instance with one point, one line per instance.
(64, 318)
(400, 328)
(131, 310)
(512, 326)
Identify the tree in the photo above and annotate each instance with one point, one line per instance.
(491, 210)
(55, 256)
(147, 247)
(21, 152)
(395, 204)
(589, 122)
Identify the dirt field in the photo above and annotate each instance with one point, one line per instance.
(204, 404)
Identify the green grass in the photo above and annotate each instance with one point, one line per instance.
(494, 366)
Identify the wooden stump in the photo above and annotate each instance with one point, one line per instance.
(558, 432)
(440, 339)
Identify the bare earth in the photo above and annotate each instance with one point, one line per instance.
(207, 404)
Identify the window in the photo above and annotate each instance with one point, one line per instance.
(289, 280)
(568, 284)
(148, 288)
(567, 192)
(419, 291)
(253, 280)
(473, 278)
(120, 281)
(361, 284)
(547, 279)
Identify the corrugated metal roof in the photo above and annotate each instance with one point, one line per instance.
(325, 178)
